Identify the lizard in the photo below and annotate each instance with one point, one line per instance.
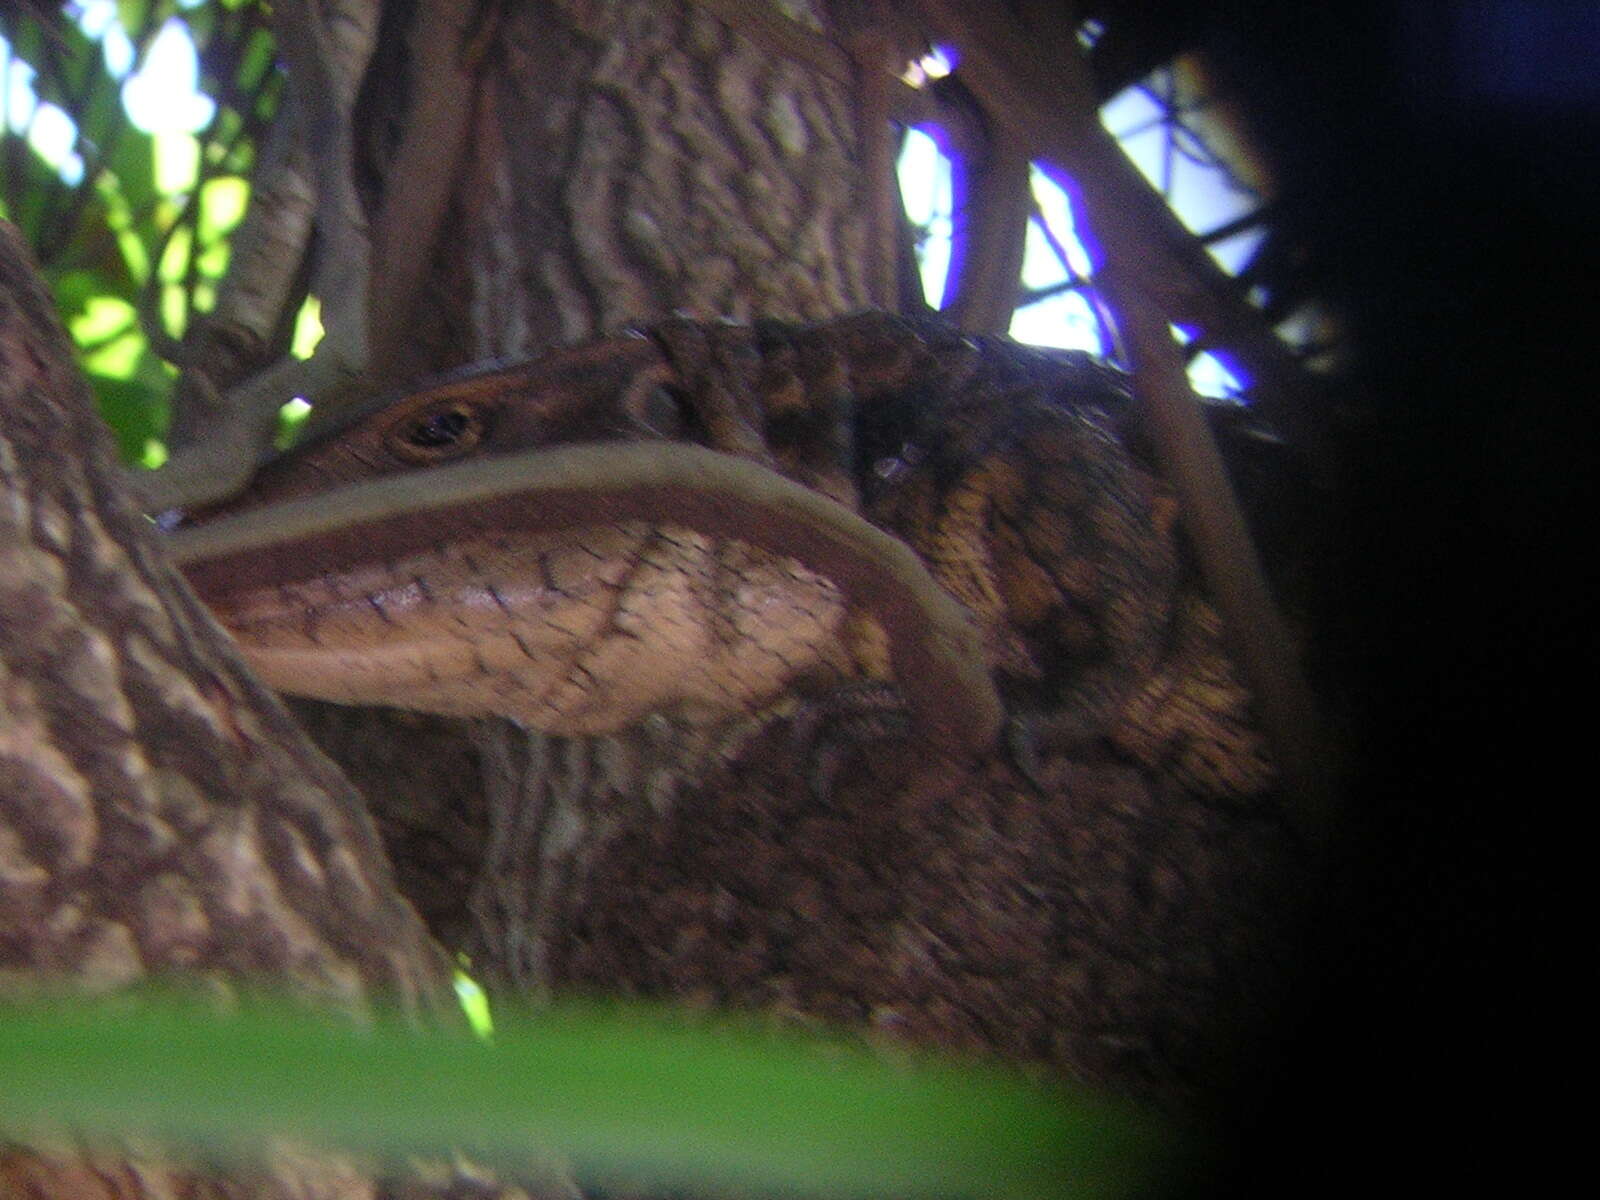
(1100, 890)
(1010, 474)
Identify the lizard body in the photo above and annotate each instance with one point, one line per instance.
(1005, 470)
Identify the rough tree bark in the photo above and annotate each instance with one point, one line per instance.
(161, 816)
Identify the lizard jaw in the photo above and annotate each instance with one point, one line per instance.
(383, 525)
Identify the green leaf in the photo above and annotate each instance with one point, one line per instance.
(36, 194)
(201, 22)
(117, 357)
(101, 118)
(292, 418)
(622, 1089)
(102, 318)
(137, 415)
(174, 309)
(229, 123)
(222, 205)
(212, 262)
(260, 58)
(174, 264)
(119, 223)
(307, 328)
(139, 15)
(64, 64)
(177, 162)
(74, 291)
(474, 1001)
(133, 168)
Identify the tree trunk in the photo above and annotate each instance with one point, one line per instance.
(161, 816)
(627, 161)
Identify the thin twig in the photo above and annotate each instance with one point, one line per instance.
(422, 175)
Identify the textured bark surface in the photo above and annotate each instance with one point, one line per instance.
(635, 159)
(1100, 923)
(158, 809)
(161, 817)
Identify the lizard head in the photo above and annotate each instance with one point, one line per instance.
(623, 527)
(619, 389)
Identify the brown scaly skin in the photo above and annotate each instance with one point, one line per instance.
(1107, 899)
(1027, 506)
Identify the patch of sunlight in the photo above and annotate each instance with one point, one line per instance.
(925, 185)
(98, 20)
(47, 128)
(52, 135)
(1129, 113)
(1053, 255)
(117, 358)
(307, 328)
(163, 95)
(935, 64)
(1041, 266)
(475, 1004)
(1209, 374)
(102, 317)
(291, 420)
(174, 308)
(213, 260)
(177, 161)
(1315, 333)
(222, 205)
(119, 219)
(1204, 197)
(1055, 206)
(175, 262)
(16, 78)
(1064, 320)
(1233, 252)
(1178, 161)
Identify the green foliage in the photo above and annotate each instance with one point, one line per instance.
(625, 1092)
(130, 227)
(474, 1001)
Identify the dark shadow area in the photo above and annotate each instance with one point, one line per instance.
(1445, 152)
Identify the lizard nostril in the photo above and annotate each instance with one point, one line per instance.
(665, 411)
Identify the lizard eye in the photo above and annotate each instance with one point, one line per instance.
(438, 433)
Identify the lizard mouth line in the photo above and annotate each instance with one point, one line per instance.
(935, 646)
